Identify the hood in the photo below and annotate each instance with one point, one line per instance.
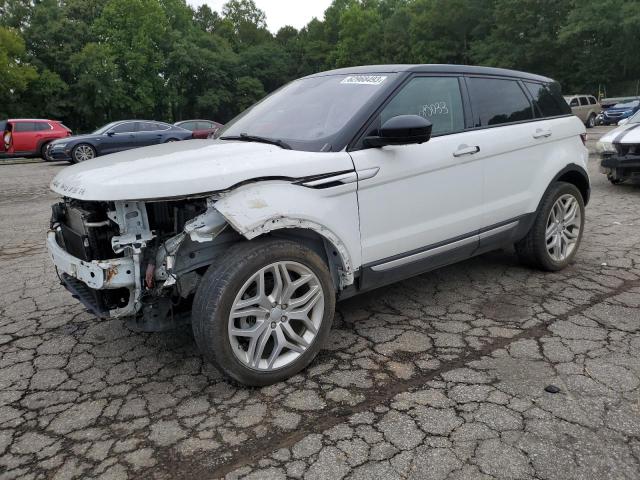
(629, 133)
(620, 110)
(187, 168)
(73, 138)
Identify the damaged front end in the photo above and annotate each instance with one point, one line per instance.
(141, 260)
(621, 161)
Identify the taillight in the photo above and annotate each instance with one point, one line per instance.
(583, 137)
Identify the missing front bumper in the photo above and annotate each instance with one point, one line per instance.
(105, 287)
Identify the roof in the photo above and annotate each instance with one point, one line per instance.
(434, 68)
(30, 120)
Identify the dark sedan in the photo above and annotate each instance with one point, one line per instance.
(115, 137)
(201, 128)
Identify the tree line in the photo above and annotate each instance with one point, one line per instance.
(88, 62)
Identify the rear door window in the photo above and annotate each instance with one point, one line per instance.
(584, 101)
(24, 127)
(128, 127)
(496, 101)
(437, 99)
(547, 104)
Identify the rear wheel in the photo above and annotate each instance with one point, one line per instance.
(555, 236)
(591, 121)
(82, 153)
(263, 314)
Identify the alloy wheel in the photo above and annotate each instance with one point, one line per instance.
(83, 153)
(276, 316)
(563, 227)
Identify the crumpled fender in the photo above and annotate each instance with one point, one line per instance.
(258, 208)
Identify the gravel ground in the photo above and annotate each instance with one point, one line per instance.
(439, 377)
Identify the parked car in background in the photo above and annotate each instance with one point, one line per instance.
(258, 232)
(200, 128)
(585, 107)
(620, 111)
(620, 151)
(115, 137)
(29, 137)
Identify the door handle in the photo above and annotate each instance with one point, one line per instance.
(466, 150)
(541, 133)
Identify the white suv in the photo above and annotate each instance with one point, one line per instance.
(338, 183)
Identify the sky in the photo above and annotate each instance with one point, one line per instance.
(296, 13)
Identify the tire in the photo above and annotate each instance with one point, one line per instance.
(83, 152)
(615, 180)
(43, 152)
(591, 121)
(533, 249)
(171, 140)
(225, 285)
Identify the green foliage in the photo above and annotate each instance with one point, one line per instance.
(89, 62)
(14, 74)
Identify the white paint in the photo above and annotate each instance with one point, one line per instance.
(188, 168)
(632, 137)
(421, 195)
(332, 213)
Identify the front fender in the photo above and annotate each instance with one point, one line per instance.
(258, 208)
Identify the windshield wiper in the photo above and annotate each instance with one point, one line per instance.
(245, 137)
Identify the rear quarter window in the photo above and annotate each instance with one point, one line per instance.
(592, 100)
(547, 99)
(497, 101)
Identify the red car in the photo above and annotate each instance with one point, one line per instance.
(200, 128)
(28, 137)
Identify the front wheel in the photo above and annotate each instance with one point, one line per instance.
(263, 314)
(82, 153)
(615, 180)
(555, 236)
(43, 152)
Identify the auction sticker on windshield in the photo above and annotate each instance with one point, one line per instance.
(364, 79)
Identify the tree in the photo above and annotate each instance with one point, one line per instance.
(248, 23)
(15, 74)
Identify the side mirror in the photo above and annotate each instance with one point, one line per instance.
(110, 133)
(402, 130)
(624, 121)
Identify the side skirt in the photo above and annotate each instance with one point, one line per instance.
(401, 267)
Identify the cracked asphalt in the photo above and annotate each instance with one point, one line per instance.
(441, 376)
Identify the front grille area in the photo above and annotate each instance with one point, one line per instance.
(85, 230)
(627, 148)
(86, 233)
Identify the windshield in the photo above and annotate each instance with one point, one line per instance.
(308, 113)
(632, 104)
(104, 129)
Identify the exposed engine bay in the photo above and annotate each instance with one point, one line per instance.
(141, 260)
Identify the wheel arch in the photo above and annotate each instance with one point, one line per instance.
(577, 176)
(327, 223)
